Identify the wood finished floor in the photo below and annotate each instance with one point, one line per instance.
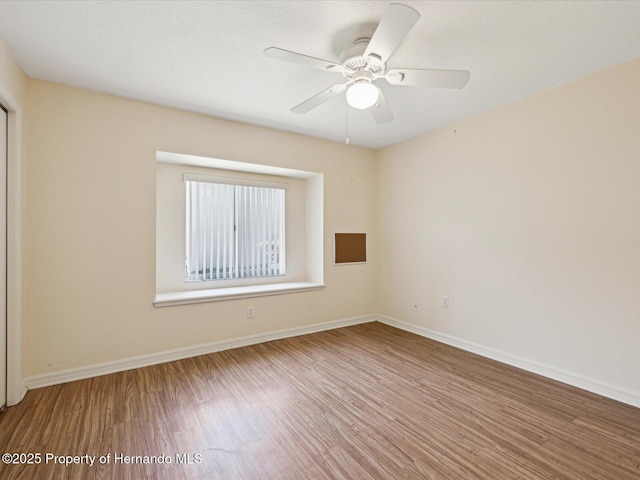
(364, 402)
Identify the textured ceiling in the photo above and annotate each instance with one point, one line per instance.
(207, 56)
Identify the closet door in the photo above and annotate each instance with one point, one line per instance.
(3, 257)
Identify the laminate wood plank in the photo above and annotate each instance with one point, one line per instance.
(364, 402)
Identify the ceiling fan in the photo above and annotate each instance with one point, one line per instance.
(365, 61)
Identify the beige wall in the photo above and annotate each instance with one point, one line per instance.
(528, 218)
(90, 238)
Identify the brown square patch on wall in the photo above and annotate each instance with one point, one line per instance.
(350, 248)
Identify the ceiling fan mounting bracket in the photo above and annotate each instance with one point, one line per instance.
(356, 49)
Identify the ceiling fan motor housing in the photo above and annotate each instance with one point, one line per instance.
(354, 59)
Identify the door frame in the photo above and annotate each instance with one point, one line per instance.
(16, 388)
(4, 163)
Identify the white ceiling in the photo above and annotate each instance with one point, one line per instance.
(207, 56)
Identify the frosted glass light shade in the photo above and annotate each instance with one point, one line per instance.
(362, 95)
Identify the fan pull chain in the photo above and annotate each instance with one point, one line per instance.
(346, 116)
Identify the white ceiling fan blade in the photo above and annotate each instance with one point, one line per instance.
(394, 26)
(428, 78)
(301, 59)
(381, 111)
(320, 98)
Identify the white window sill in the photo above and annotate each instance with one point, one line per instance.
(231, 293)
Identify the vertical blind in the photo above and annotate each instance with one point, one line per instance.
(234, 231)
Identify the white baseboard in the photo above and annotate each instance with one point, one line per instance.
(17, 398)
(585, 383)
(71, 375)
(576, 380)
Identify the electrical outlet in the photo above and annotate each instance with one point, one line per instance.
(250, 312)
(445, 302)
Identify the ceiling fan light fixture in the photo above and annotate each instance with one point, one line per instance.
(362, 95)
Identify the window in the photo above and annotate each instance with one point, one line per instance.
(205, 253)
(233, 230)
